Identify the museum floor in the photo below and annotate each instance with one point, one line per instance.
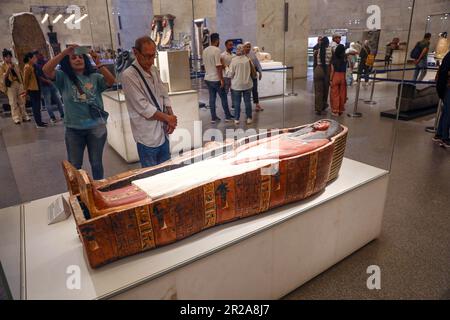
(413, 251)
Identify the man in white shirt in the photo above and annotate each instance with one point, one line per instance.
(226, 57)
(336, 40)
(214, 79)
(241, 84)
(152, 119)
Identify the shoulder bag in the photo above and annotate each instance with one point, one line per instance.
(96, 112)
(155, 102)
(253, 72)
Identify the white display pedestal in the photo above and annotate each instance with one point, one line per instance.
(398, 57)
(188, 134)
(10, 251)
(273, 83)
(262, 257)
(174, 69)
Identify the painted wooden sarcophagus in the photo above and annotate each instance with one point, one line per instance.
(148, 208)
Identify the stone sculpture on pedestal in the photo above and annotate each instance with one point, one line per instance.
(262, 56)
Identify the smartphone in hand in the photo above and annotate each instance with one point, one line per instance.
(81, 50)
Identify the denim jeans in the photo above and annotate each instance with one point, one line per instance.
(150, 157)
(365, 70)
(237, 98)
(35, 100)
(94, 139)
(50, 94)
(421, 70)
(444, 122)
(255, 93)
(214, 89)
(227, 89)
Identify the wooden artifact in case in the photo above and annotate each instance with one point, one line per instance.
(143, 209)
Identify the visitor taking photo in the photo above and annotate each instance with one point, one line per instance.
(84, 120)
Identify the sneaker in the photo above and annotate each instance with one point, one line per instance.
(236, 122)
(229, 120)
(437, 139)
(215, 120)
(41, 126)
(445, 143)
(430, 129)
(52, 121)
(27, 120)
(249, 121)
(335, 114)
(17, 122)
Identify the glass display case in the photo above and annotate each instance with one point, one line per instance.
(294, 87)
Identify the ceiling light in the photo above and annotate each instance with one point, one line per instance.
(81, 19)
(57, 18)
(70, 18)
(45, 18)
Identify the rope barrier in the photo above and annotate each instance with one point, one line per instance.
(278, 69)
(399, 80)
(374, 79)
(382, 71)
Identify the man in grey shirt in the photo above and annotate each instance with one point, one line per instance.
(151, 121)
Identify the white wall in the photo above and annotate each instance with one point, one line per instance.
(136, 17)
(262, 23)
(237, 19)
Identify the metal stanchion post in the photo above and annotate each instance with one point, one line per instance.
(355, 113)
(292, 93)
(373, 90)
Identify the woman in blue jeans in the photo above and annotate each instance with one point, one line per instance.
(81, 88)
(241, 84)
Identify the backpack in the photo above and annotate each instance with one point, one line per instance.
(370, 61)
(415, 53)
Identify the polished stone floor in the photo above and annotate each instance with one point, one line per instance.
(413, 250)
